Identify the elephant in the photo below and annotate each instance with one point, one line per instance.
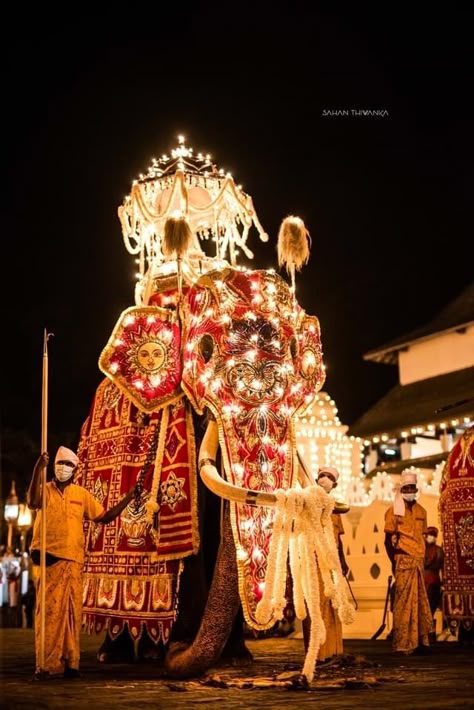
(204, 377)
(456, 513)
(243, 355)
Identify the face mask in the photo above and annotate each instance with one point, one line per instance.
(63, 473)
(409, 497)
(325, 483)
(430, 539)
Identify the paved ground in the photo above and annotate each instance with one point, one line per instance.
(371, 677)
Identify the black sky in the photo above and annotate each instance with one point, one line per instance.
(387, 200)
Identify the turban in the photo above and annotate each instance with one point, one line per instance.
(64, 454)
(432, 531)
(407, 478)
(328, 469)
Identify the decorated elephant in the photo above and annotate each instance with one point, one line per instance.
(456, 510)
(207, 343)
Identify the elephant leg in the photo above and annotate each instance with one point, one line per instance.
(221, 609)
(117, 650)
(193, 592)
(235, 649)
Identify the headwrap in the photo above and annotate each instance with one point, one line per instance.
(65, 454)
(407, 478)
(432, 531)
(328, 469)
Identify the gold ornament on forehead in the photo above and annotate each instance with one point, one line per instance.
(276, 293)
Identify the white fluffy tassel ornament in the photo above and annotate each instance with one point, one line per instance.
(293, 245)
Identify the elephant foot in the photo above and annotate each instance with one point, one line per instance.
(119, 650)
(236, 654)
(175, 647)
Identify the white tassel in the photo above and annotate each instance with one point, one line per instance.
(293, 245)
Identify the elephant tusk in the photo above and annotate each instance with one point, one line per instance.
(216, 483)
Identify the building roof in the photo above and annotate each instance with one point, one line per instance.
(393, 467)
(430, 401)
(456, 315)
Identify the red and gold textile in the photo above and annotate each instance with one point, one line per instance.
(456, 508)
(133, 564)
(254, 358)
(143, 357)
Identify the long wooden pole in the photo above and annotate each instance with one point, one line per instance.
(44, 447)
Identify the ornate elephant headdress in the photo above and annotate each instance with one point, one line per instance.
(182, 201)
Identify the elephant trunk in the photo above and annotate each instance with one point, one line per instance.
(216, 625)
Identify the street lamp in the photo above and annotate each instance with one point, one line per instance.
(10, 514)
(24, 523)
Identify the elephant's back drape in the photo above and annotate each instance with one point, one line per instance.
(456, 509)
(133, 565)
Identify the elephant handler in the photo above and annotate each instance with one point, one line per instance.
(405, 525)
(333, 645)
(67, 505)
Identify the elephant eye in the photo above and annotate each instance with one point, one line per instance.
(206, 347)
(267, 332)
(293, 348)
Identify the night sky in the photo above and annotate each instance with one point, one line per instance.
(385, 198)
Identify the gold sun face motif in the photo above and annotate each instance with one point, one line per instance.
(142, 357)
(150, 356)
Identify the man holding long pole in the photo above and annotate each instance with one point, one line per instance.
(44, 440)
(58, 546)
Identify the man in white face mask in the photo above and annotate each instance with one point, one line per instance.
(327, 478)
(67, 505)
(405, 525)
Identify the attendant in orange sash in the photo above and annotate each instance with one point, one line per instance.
(405, 525)
(67, 506)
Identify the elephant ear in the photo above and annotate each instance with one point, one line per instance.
(142, 357)
(309, 360)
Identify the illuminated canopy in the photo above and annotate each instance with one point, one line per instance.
(192, 186)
